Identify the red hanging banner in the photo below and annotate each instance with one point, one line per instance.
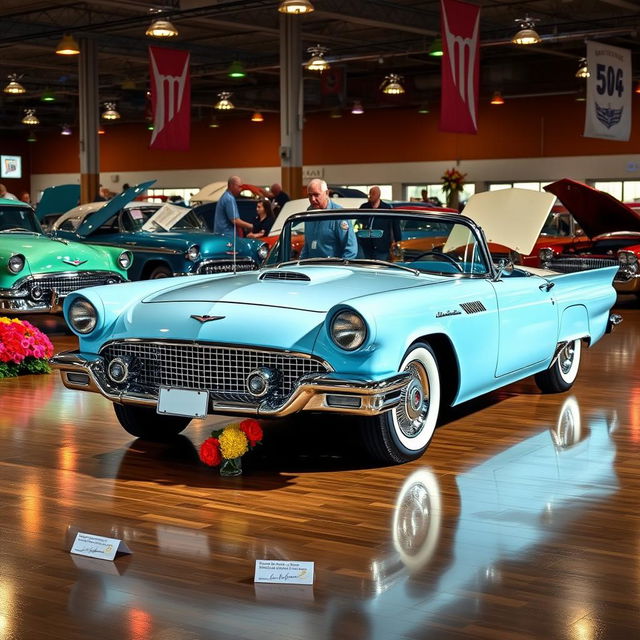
(460, 27)
(170, 99)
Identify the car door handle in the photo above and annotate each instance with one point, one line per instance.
(547, 286)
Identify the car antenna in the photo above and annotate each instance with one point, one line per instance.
(235, 234)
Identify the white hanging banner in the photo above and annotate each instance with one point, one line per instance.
(609, 89)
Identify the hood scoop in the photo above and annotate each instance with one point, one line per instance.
(285, 275)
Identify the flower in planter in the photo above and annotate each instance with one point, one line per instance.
(226, 447)
(23, 348)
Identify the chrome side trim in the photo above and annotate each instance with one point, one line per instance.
(376, 396)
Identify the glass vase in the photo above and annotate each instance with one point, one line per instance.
(231, 467)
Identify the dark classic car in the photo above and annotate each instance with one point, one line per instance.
(612, 235)
(166, 240)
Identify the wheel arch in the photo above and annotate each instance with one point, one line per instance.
(150, 265)
(447, 364)
(574, 324)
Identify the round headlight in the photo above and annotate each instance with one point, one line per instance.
(16, 263)
(193, 252)
(348, 330)
(263, 251)
(545, 255)
(82, 316)
(124, 260)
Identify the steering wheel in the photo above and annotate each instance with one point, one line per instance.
(444, 256)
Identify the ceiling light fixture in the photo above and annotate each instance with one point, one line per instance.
(31, 137)
(224, 104)
(357, 108)
(160, 27)
(236, 70)
(583, 70)
(68, 46)
(435, 49)
(47, 96)
(497, 98)
(66, 130)
(14, 87)
(637, 87)
(295, 7)
(30, 117)
(392, 84)
(215, 123)
(110, 112)
(101, 131)
(335, 113)
(423, 108)
(257, 117)
(317, 62)
(527, 34)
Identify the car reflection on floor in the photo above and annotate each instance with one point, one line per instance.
(508, 505)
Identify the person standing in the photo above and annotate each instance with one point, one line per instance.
(327, 238)
(380, 248)
(279, 197)
(264, 219)
(5, 194)
(227, 219)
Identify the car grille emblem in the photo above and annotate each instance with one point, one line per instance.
(204, 319)
(75, 263)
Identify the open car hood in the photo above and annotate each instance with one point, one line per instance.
(95, 220)
(595, 211)
(510, 217)
(58, 200)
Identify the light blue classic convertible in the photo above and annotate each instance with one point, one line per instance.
(417, 317)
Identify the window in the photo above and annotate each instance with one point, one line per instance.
(165, 194)
(625, 190)
(414, 192)
(533, 186)
(385, 189)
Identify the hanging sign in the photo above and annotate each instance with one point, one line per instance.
(609, 88)
(460, 68)
(170, 99)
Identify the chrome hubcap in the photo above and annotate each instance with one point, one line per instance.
(412, 411)
(566, 358)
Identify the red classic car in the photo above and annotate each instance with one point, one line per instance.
(612, 235)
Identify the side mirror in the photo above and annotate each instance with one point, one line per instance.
(504, 267)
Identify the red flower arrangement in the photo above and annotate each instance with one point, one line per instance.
(23, 348)
(452, 180)
(226, 446)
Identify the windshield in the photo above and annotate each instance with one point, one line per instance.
(560, 224)
(135, 218)
(423, 242)
(13, 219)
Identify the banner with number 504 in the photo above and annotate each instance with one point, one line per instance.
(609, 88)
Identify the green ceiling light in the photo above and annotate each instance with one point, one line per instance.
(423, 108)
(31, 137)
(236, 70)
(295, 7)
(435, 49)
(47, 96)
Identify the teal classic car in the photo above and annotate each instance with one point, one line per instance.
(166, 240)
(386, 341)
(37, 272)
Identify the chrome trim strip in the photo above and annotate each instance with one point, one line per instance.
(142, 249)
(377, 396)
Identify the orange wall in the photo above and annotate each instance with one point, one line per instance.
(521, 128)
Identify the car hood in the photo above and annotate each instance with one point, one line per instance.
(595, 211)
(313, 289)
(96, 219)
(510, 217)
(58, 199)
(43, 254)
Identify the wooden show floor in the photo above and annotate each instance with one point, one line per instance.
(522, 520)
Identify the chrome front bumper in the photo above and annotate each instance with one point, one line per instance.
(626, 282)
(314, 392)
(23, 304)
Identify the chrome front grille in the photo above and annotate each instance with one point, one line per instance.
(226, 266)
(570, 265)
(221, 370)
(64, 284)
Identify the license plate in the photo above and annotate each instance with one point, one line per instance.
(183, 402)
